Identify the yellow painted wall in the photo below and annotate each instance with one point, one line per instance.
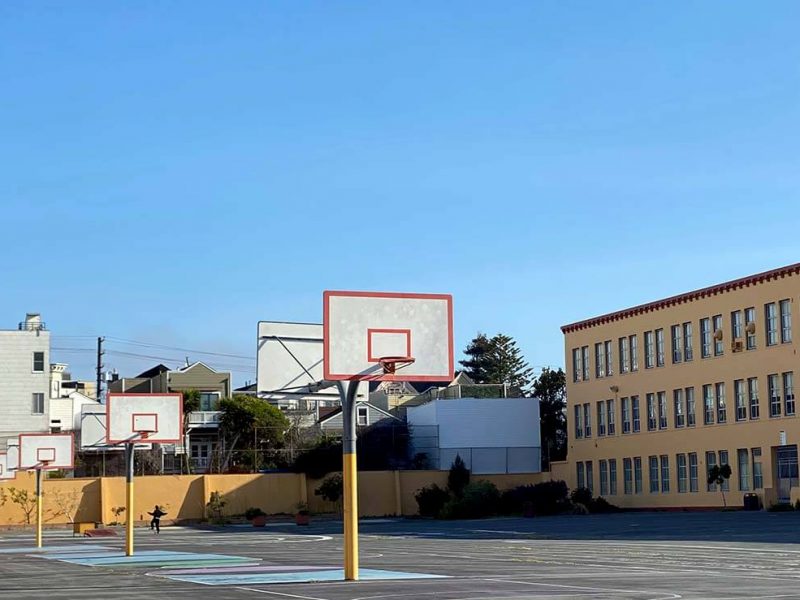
(184, 496)
(732, 435)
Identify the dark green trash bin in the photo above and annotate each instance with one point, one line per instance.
(751, 502)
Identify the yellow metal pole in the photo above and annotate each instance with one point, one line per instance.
(350, 517)
(129, 500)
(38, 508)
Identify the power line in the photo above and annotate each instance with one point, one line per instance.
(179, 349)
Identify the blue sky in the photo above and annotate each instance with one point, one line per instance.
(174, 172)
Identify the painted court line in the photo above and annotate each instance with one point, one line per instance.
(51, 549)
(243, 569)
(299, 577)
(282, 594)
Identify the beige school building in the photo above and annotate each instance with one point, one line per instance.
(659, 393)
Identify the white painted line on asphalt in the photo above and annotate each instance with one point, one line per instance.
(659, 595)
(283, 594)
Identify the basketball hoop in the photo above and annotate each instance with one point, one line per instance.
(390, 364)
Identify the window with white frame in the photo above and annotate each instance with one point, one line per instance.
(589, 477)
(683, 474)
(577, 367)
(651, 412)
(708, 404)
(773, 390)
(736, 324)
(788, 393)
(649, 350)
(691, 409)
(693, 486)
(741, 400)
(624, 355)
(581, 477)
(585, 362)
(612, 476)
(743, 467)
(705, 337)
(711, 462)
(678, 408)
(634, 344)
(38, 362)
(786, 321)
(758, 476)
(626, 415)
(601, 418)
(654, 477)
(578, 422)
(362, 415)
(688, 354)
(627, 475)
(609, 357)
(723, 460)
(752, 391)
(722, 408)
(635, 413)
(612, 421)
(637, 475)
(587, 420)
(599, 360)
(677, 344)
(771, 322)
(209, 401)
(603, 478)
(37, 403)
(659, 347)
(716, 323)
(662, 410)
(750, 325)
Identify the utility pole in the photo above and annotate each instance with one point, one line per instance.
(100, 366)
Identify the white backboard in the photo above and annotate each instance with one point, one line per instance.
(12, 454)
(290, 363)
(362, 327)
(93, 431)
(47, 451)
(5, 472)
(152, 418)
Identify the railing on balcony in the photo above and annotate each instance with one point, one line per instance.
(204, 418)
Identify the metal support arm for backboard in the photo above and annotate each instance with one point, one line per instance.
(350, 478)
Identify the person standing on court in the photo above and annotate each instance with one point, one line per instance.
(155, 522)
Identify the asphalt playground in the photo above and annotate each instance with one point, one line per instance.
(636, 556)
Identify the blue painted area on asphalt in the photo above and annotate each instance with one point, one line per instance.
(298, 577)
(51, 549)
(149, 557)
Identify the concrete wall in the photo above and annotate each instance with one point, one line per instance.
(763, 432)
(184, 497)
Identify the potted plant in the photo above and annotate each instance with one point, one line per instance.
(303, 515)
(256, 516)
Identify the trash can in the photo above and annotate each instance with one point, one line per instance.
(751, 501)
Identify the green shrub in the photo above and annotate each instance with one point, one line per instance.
(253, 512)
(431, 499)
(600, 506)
(545, 498)
(781, 507)
(332, 489)
(579, 509)
(581, 495)
(458, 477)
(478, 500)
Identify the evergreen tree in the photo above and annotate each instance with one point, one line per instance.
(551, 390)
(478, 363)
(507, 364)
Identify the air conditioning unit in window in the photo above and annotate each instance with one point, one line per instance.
(750, 328)
(737, 346)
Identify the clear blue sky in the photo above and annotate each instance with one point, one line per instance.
(174, 172)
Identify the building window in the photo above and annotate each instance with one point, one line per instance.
(758, 477)
(612, 426)
(741, 401)
(38, 362)
(677, 401)
(662, 410)
(683, 475)
(587, 420)
(577, 367)
(711, 462)
(585, 362)
(693, 472)
(664, 474)
(786, 321)
(362, 417)
(209, 401)
(677, 344)
(750, 325)
(687, 342)
(659, 347)
(626, 475)
(637, 475)
(609, 358)
(705, 337)
(589, 477)
(649, 350)
(651, 412)
(788, 393)
(743, 455)
(624, 355)
(773, 390)
(578, 422)
(581, 476)
(612, 476)
(708, 405)
(771, 321)
(626, 415)
(752, 390)
(634, 343)
(599, 360)
(717, 326)
(653, 474)
(603, 478)
(601, 418)
(736, 324)
(722, 409)
(637, 424)
(37, 403)
(690, 407)
(723, 460)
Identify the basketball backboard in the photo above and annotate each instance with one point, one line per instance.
(289, 365)
(151, 418)
(12, 454)
(5, 472)
(46, 451)
(364, 329)
(93, 430)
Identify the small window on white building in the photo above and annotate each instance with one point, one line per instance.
(38, 362)
(37, 404)
(362, 415)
